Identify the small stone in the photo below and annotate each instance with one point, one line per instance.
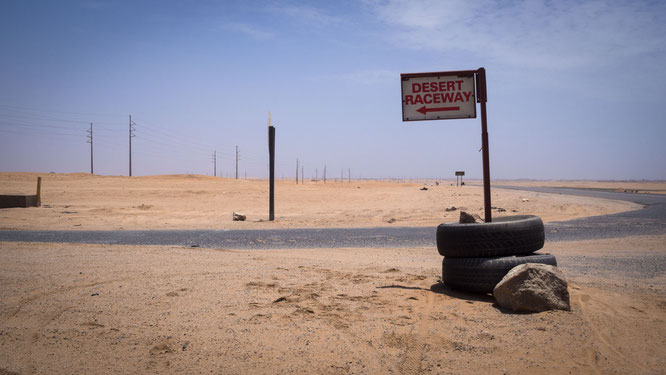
(424, 188)
(392, 220)
(533, 287)
(239, 217)
(500, 209)
(451, 208)
(466, 218)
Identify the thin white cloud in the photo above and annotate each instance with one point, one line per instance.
(249, 30)
(370, 77)
(559, 34)
(307, 14)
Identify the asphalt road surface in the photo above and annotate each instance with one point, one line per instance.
(650, 220)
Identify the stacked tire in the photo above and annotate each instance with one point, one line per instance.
(477, 256)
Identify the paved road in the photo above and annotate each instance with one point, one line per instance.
(650, 220)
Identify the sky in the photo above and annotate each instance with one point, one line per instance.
(575, 88)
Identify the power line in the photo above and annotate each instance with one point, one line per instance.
(33, 109)
(39, 132)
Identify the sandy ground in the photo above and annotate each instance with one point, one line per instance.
(68, 309)
(85, 202)
(72, 308)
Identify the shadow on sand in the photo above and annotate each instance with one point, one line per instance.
(441, 288)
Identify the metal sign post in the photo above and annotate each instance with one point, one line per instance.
(449, 95)
(481, 98)
(459, 174)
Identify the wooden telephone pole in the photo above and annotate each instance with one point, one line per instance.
(215, 163)
(237, 156)
(90, 140)
(271, 174)
(131, 135)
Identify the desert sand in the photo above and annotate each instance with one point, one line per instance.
(120, 309)
(85, 202)
(73, 308)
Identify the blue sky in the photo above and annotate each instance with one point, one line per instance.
(575, 88)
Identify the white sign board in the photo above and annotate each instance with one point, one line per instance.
(437, 96)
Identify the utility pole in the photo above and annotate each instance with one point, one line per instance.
(296, 171)
(131, 135)
(302, 175)
(90, 137)
(349, 174)
(237, 156)
(215, 163)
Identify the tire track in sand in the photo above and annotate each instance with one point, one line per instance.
(416, 344)
(600, 340)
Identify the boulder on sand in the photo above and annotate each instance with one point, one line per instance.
(533, 287)
(239, 217)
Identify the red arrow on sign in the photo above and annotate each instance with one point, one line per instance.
(425, 110)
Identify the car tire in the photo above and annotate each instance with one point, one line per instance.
(508, 235)
(482, 274)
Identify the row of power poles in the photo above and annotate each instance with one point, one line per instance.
(132, 129)
(316, 176)
(131, 135)
(215, 162)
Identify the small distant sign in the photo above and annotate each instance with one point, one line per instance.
(438, 96)
(460, 173)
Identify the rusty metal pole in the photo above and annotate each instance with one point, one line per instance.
(482, 98)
